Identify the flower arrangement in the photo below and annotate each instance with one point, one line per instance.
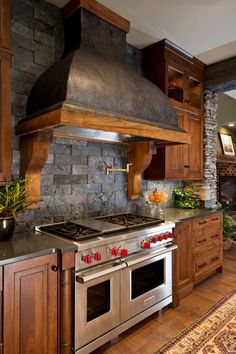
(158, 197)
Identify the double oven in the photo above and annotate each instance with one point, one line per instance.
(120, 278)
(109, 298)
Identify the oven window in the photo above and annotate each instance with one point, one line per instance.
(147, 278)
(98, 300)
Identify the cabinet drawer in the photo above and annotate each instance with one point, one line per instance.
(202, 237)
(205, 263)
(207, 222)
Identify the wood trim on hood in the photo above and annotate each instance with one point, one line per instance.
(67, 117)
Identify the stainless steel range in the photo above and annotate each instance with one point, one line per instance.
(123, 273)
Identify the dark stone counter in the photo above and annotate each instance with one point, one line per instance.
(31, 244)
(177, 215)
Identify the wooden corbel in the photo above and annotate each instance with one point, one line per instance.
(34, 154)
(140, 156)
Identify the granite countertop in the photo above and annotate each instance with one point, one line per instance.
(177, 215)
(31, 244)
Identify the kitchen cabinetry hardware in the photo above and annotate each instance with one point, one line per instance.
(113, 169)
(202, 265)
(214, 219)
(202, 222)
(203, 240)
(214, 236)
(215, 259)
(55, 268)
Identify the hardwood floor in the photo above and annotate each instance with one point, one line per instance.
(152, 333)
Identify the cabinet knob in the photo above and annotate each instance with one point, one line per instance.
(54, 268)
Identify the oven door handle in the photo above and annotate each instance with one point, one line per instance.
(89, 276)
(139, 258)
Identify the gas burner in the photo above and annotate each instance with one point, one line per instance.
(130, 220)
(71, 231)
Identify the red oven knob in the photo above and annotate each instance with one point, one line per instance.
(169, 234)
(97, 256)
(146, 245)
(115, 251)
(124, 252)
(154, 239)
(87, 259)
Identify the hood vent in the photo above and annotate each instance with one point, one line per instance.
(91, 88)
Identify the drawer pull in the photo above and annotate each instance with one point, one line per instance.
(215, 236)
(202, 265)
(215, 259)
(201, 241)
(202, 222)
(214, 219)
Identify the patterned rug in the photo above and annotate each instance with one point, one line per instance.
(212, 333)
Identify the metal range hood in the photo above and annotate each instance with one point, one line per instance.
(92, 93)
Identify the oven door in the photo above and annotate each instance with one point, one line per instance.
(97, 302)
(146, 281)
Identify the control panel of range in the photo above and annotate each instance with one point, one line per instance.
(122, 249)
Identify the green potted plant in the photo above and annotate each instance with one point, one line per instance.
(229, 230)
(12, 201)
(185, 198)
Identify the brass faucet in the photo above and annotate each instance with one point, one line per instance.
(113, 169)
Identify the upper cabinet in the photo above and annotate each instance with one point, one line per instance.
(180, 77)
(5, 90)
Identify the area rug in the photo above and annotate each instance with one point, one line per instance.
(213, 333)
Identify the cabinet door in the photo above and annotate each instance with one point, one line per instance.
(196, 147)
(176, 85)
(194, 97)
(30, 306)
(182, 260)
(5, 24)
(5, 116)
(177, 157)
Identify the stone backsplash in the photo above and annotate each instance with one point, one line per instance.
(73, 181)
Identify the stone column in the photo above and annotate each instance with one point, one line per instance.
(207, 188)
(210, 151)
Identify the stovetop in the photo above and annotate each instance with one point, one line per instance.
(89, 228)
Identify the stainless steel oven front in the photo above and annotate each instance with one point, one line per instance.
(97, 302)
(146, 281)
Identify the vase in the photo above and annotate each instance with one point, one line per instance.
(157, 211)
(7, 226)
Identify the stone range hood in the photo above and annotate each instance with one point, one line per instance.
(91, 93)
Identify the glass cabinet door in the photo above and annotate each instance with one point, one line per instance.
(175, 84)
(195, 93)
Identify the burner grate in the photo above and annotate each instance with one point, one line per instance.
(130, 220)
(71, 231)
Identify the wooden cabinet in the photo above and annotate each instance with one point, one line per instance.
(183, 284)
(5, 90)
(180, 77)
(199, 253)
(207, 246)
(30, 306)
